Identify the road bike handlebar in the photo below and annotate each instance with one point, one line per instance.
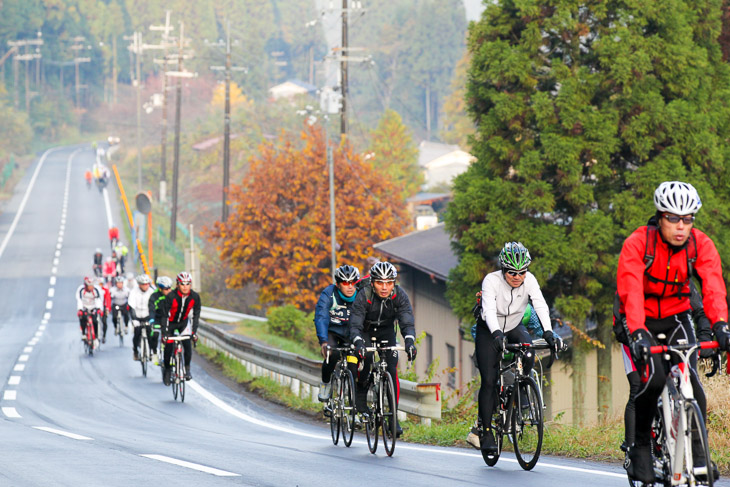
(682, 346)
(178, 338)
(540, 345)
(376, 349)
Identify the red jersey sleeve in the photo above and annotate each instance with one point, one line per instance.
(709, 267)
(630, 279)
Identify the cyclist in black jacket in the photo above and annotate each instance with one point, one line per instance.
(373, 315)
(173, 316)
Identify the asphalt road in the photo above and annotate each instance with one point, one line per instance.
(69, 419)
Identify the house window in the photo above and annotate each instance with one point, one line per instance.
(429, 349)
(451, 356)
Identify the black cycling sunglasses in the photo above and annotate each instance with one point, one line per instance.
(516, 273)
(687, 220)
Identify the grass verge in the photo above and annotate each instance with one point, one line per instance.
(264, 387)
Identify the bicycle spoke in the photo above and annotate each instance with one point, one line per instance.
(390, 413)
(373, 420)
(697, 461)
(347, 402)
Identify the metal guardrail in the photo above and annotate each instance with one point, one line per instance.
(302, 375)
(208, 313)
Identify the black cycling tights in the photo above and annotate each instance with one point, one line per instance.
(488, 362)
(336, 341)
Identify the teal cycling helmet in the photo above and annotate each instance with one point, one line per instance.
(514, 257)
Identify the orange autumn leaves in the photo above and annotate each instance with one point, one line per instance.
(278, 232)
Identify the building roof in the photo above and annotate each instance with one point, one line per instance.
(428, 151)
(428, 251)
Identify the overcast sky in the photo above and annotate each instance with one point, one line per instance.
(473, 9)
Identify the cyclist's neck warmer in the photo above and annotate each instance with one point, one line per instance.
(345, 298)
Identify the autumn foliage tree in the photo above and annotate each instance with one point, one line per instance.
(395, 155)
(278, 236)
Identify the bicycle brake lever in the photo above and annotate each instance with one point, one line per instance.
(715, 365)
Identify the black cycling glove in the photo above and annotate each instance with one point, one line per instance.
(499, 341)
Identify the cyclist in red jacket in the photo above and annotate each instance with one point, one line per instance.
(180, 305)
(653, 281)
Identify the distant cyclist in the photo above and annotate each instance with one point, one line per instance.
(120, 299)
(98, 262)
(107, 301)
(157, 302)
(139, 312)
(89, 301)
(180, 305)
(113, 237)
(110, 269)
(332, 321)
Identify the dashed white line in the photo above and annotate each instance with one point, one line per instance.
(52, 281)
(11, 412)
(54, 270)
(63, 433)
(19, 367)
(38, 334)
(55, 261)
(42, 327)
(194, 466)
(49, 304)
(23, 358)
(27, 349)
(51, 292)
(10, 395)
(58, 253)
(47, 316)
(14, 380)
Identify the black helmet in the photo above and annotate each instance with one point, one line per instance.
(347, 273)
(383, 271)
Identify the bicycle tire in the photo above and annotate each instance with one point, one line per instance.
(389, 413)
(696, 432)
(119, 329)
(334, 404)
(348, 407)
(373, 420)
(144, 355)
(527, 423)
(181, 375)
(173, 377)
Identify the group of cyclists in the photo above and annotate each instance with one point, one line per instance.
(162, 310)
(656, 303)
(99, 172)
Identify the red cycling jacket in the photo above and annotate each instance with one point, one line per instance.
(643, 298)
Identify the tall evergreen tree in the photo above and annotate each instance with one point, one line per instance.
(582, 108)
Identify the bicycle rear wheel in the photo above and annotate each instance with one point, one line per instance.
(527, 423)
(390, 413)
(334, 403)
(373, 418)
(697, 462)
(347, 404)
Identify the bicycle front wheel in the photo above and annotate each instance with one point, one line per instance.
(334, 405)
(390, 413)
(347, 405)
(174, 380)
(181, 376)
(697, 462)
(372, 421)
(527, 423)
(144, 355)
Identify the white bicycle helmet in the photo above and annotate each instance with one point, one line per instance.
(143, 279)
(383, 271)
(164, 282)
(347, 273)
(677, 197)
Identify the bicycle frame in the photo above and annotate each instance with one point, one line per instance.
(676, 394)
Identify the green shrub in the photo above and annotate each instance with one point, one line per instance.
(289, 322)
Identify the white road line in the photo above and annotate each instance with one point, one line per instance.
(14, 380)
(108, 208)
(194, 466)
(19, 367)
(234, 412)
(59, 246)
(62, 433)
(54, 270)
(11, 413)
(58, 253)
(47, 316)
(33, 341)
(52, 281)
(24, 201)
(38, 334)
(10, 395)
(49, 304)
(23, 358)
(27, 349)
(51, 292)
(42, 327)
(55, 261)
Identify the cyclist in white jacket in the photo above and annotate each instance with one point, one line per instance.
(505, 295)
(139, 311)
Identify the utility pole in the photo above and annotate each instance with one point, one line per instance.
(343, 74)
(163, 144)
(115, 75)
(27, 57)
(331, 169)
(77, 46)
(227, 120)
(138, 82)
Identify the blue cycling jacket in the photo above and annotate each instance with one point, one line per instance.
(332, 314)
